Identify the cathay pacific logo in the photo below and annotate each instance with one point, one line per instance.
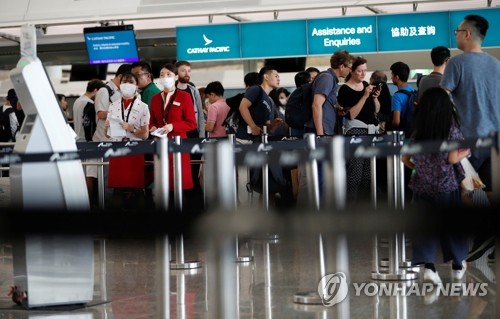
(207, 40)
(207, 48)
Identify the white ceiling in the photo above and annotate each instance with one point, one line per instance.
(68, 16)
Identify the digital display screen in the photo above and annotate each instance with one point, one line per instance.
(114, 44)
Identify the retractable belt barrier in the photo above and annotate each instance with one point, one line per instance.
(286, 152)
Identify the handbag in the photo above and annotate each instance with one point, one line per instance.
(472, 181)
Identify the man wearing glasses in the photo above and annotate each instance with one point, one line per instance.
(146, 86)
(472, 80)
(325, 89)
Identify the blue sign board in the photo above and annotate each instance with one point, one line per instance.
(406, 32)
(294, 38)
(273, 39)
(492, 38)
(208, 42)
(356, 34)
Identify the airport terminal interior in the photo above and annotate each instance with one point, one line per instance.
(254, 262)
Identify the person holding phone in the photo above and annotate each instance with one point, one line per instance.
(379, 78)
(360, 102)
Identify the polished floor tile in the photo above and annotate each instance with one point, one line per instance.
(128, 283)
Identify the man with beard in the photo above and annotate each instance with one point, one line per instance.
(184, 84)
(184, 77)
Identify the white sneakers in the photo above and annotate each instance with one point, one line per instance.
(459, 274)
(431, 276)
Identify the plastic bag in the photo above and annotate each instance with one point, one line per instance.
(471, 181)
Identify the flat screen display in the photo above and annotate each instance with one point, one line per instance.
(113, 44)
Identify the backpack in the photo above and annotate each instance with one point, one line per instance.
(233, 117)
(299, 106)
(89, 120)
(5, 129)
(406, 123)
(110, 91)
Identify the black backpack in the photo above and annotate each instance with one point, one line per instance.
(89, 120)
(233, 117)
(5, 129)
(299, 106)
(406, 122)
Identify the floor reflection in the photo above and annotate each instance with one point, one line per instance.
(129, 282)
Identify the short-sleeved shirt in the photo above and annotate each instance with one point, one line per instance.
(472, 79)
(326, 83)
(400, 100)
(433, 173)
(429, 81)
(348, 97)
(217, 113)
(261, 111)
(150, 90)
(102, 104)
(136, 114)
(78, 107)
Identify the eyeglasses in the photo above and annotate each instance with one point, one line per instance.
(459, 30)
(139, 74)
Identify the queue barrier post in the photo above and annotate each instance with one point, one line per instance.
(180, 263)
(397, 269)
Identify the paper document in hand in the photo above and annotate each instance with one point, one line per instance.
(160, 132)
(115, 127)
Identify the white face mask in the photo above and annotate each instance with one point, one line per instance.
(283, 101)
(128, 89)
(167, 82)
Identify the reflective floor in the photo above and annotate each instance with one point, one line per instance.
(128, 282)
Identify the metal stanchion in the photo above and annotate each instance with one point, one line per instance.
(265, 174)
(163, 274)
(100, 183)
(180, 263)
(219, 157)
(265, 182)
(239, 257)
(161, 174)
(312, 297)
(161, 178)
(395, 191)
(336, 249)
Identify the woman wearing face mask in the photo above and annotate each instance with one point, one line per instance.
(280, 97)
(128, 120)
(172, 114)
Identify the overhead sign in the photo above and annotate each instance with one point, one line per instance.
(295, 38)
(492, 38)
(208, 42)
(326, 36)
(405, 32)
(273, 39)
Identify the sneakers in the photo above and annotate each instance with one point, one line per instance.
(458, 274)
(431, 276)
(479, 248)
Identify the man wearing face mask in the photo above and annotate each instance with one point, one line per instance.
(172, 114)
(131, 116)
